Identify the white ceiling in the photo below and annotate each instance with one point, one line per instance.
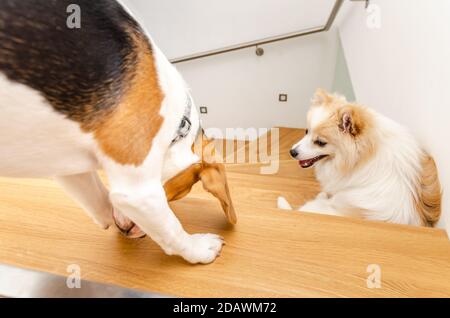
(182, 27)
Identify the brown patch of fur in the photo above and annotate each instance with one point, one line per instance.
(212, 175)
(214, 181)
(126, 133)
(205, 148)
(428, 201)
(179, 186)
(359, 118)
(360, 137)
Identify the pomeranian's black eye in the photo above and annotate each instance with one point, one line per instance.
(306, 131)
(320, 143)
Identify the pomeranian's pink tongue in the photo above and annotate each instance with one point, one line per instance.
(305, 163)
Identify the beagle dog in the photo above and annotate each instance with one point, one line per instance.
(103, 96)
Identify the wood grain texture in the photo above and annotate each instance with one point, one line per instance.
(268, 253)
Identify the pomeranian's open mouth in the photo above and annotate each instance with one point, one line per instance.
(310, 162)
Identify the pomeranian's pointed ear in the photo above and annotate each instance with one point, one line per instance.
(350, 121)
(215, 181)
(321, 97)
(347, 124)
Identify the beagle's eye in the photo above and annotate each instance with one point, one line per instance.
(306, 131)
(320, 143)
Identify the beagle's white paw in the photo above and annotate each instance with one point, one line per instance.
(203, 248)
(283, 204)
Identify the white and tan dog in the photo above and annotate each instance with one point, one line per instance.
(103, 96)
(368, 166)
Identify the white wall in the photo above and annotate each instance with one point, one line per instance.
(239, 88)
(403, 70)
(182, 27)
(342, 82)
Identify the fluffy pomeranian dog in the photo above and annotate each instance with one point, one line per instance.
(368, 165)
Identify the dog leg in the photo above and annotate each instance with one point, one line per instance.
(90, 193)
(283, 204)
(147, 206)
(139, 194)
(321, 206)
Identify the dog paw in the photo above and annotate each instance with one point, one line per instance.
(283, 204)
(322, 196)
(104, 221)
(203, 248)
(104, 224)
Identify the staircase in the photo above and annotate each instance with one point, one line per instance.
(269, 253)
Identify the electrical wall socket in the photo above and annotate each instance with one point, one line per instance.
(283, 98)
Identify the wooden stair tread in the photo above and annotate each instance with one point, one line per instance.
(269, 252)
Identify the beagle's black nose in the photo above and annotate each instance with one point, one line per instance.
(293, 153)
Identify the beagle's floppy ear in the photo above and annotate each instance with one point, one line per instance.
(214, 181)
(214, 178)
(211, 174)
(204, 147)
(179, 186)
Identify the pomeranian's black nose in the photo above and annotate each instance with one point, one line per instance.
(293, 153)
